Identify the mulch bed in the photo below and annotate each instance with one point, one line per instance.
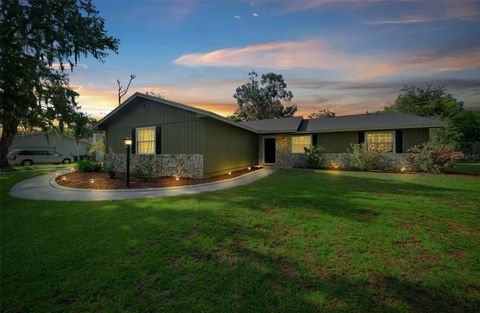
(102, 181)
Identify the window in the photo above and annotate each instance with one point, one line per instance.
(299, 142)
(146, 140)
(382, 141)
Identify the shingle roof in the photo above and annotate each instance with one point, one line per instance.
(284, 125)
(372, 121)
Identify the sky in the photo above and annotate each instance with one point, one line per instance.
(350, 56)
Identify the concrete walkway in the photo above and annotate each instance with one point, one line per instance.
(44, 187)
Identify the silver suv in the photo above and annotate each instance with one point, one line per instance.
(29, 157)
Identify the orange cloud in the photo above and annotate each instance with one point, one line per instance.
(315, 54)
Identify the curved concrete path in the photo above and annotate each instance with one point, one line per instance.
(44, 187)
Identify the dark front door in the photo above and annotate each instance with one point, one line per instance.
(269, 150)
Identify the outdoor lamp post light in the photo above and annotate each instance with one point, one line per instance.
(128, 142)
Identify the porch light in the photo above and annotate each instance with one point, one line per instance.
(127, 141)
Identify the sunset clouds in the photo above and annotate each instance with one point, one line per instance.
(351, 56)
(316, 54)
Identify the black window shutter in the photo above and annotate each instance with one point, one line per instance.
(158, 140)
(361, 137)
(315, 139)
(398, 141)
(134, 140)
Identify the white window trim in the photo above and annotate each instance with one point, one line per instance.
(394, 148)
(291, 143)
(154, 139)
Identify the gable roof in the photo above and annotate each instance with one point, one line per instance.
(371, 121)
(276, 125)
(175, 105)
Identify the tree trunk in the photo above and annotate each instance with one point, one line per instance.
(5, 142)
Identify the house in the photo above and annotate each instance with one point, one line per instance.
(51, 141)
(282, 141)
(192, 142)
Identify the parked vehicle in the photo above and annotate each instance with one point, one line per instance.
(29, 157)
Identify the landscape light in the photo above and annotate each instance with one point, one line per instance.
(64, 178)
(403, 169)
(57, 173)
(229, 173)
(92, 180)
(249, 168)
(127, 141)
(177, 178)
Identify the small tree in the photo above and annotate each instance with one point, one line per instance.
(258, 100)
(314, 156)
(322, 113)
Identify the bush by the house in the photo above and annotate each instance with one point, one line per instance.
(314, 156)
(146, 168)
(430, 158)
(109, 169)
(368, 159)
(88, 166)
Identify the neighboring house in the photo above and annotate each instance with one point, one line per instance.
(50, 141)
(179, 134)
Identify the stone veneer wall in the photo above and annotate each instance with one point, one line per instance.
(393, 161)
(182, 165)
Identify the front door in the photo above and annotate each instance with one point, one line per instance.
(269, 151)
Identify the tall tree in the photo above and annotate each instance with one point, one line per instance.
(434, 101)
(322, 113)
(258, 100)
(39, 41)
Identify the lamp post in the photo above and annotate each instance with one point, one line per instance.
(128, 142)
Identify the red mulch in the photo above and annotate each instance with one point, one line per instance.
(102, 181)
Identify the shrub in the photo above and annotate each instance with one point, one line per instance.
(430, 158)
(314, 156)
(109, 169)
(88, 166)
(368, 159)
(146, 167)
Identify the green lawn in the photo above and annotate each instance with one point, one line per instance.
(464, 167)
(297, 241)
(37, 167)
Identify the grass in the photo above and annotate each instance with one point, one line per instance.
(297, 241)
(37, 167)
(464, 168)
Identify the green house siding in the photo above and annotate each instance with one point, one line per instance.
(181, 129)
(337, 142)
(415, 136)
(228, 147)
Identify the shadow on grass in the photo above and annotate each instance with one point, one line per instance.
(211, 252)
